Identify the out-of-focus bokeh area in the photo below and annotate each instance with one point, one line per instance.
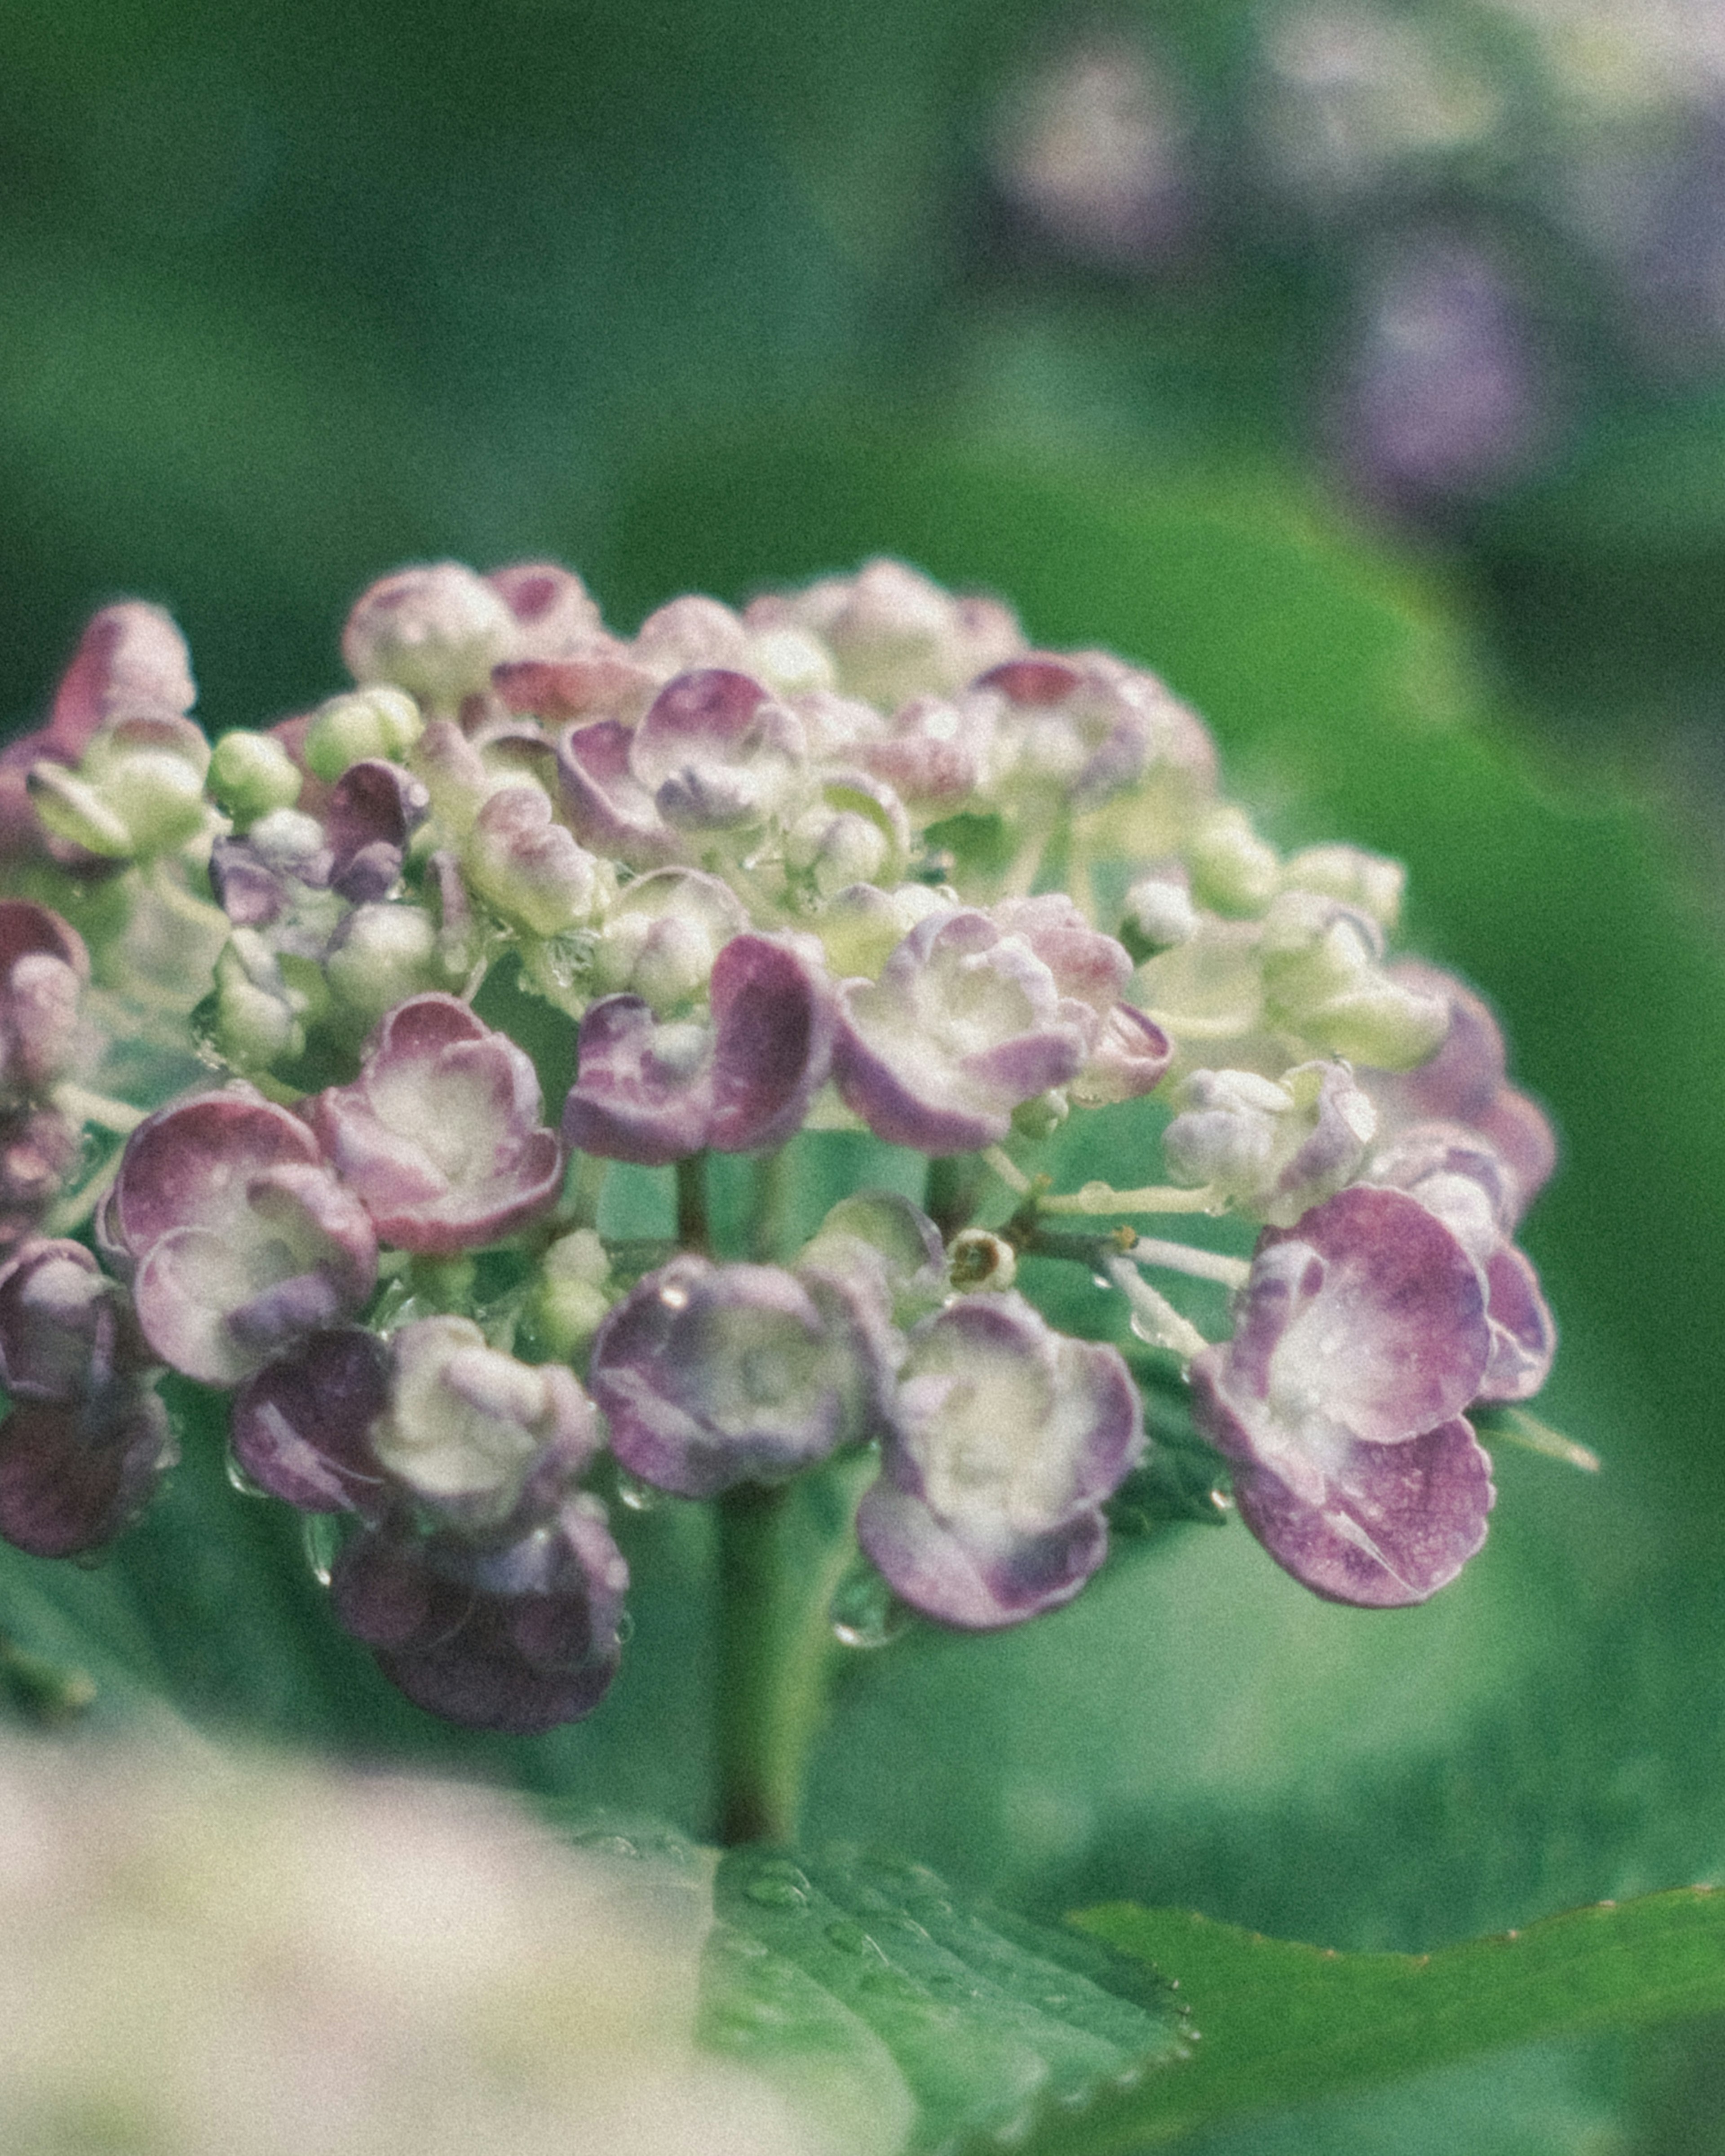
(1360, 365)
(288, 294)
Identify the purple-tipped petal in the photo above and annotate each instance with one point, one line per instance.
(608, 807)
(775, 1019)
(644, 1090)
(440, 1136)
(1524, 1335)
(714, 1375)
(130, 661)
(302, 1427)
(65, 1329)
(1395, 1522)
(1005, 1438)
(964, 1024)
(1365, 1322)
(555, 614)
(717, 752)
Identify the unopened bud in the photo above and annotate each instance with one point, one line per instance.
(1232, 868)
(977, 1261)
(251, 774)
(385, 954)
(379, 721)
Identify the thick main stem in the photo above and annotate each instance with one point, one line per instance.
(781, 1554)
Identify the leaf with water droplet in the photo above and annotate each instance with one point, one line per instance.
(981, 2014)
(865, 1611)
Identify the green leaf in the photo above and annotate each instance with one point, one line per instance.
(1283, 2024)
(817, 1962)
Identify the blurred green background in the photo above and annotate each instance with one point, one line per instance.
(1359, 367)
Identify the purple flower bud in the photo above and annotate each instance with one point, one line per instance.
(74, 1474)
(598, 682)
(242, 1238)
(440, 1135)
(1465, 1083)
(469, 1431)
(65, 1330)
(43, 966)
(1362, 1332)
(436, 631)
(132, 661)
(965, 1023)
(894, 632)
(653, 1093)
(1130, 1053)
(301, 1428)
(717, 752)
(934, 755)
(556, 616)
(38, 1149)
(1005, 1438)
(712, 1375)
(518, 1636)
(1084, 729)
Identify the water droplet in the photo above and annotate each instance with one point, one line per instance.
(865, 1611)
(1103, 1280)
(320, 1535)
(675, 1297)
(1128, 2077)
(1016, 2129)
(636, 1496)
(851, 1939)
(238, 1480)
(772, 1893)
(625, 1627)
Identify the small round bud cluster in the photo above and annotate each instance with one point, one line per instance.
(760, 874)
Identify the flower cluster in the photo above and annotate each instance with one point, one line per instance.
(855, 859)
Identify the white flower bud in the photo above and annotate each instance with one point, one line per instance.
(386, 954)
(1371, 882)
(1159, 911)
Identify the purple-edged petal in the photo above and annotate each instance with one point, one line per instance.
(775, 1018)
(1005, 1438)
(302, 1427)
(714, 1375)
(717, 752)
(1393, 1524)
(644, 1090)
(1365, 1322)
(555, 614)
(190, 1163)
(1524, 1335)
(518, 1638)
(440, 1136)
(609, 807)
(72, 1476)
(964, 1024)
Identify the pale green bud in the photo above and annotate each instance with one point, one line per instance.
(251, 775)
(862, 926)
(379, 721)
(1232, 868)
(570, 1301)
(259, 1020)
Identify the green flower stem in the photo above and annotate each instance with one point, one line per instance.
(693, 1231)
(782, 1553)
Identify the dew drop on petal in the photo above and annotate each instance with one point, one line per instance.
(635, 1496)
(238, 1480)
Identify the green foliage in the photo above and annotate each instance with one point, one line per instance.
(822, 1959)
